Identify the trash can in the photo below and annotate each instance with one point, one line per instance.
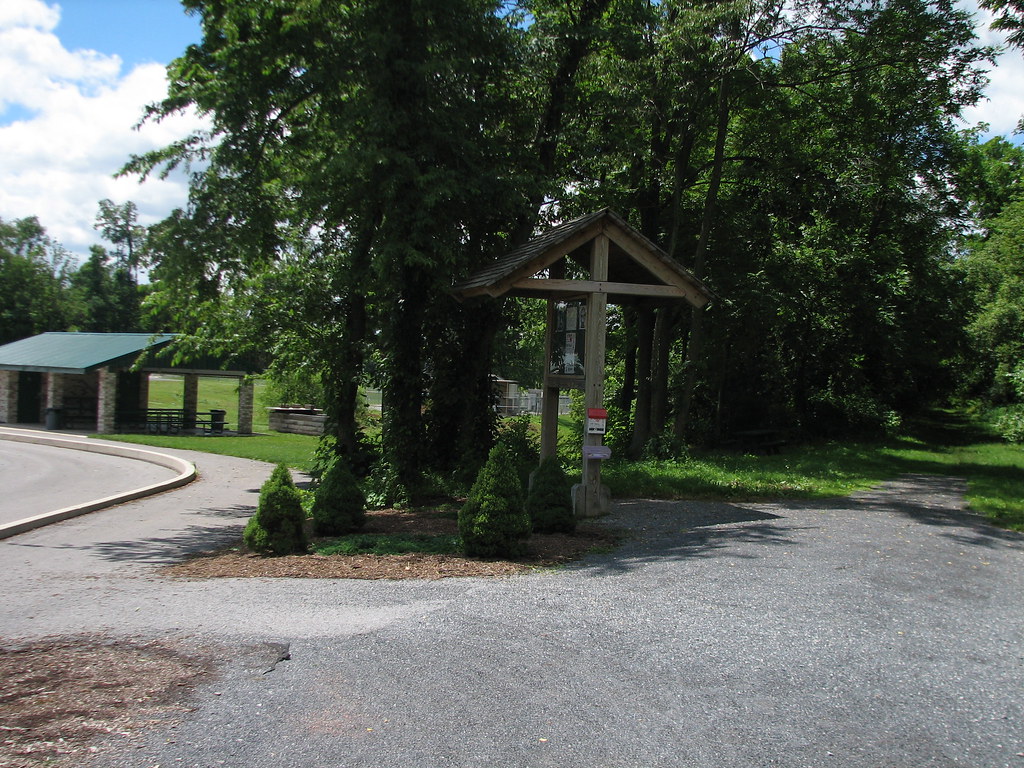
(217, 421)
(54, 418)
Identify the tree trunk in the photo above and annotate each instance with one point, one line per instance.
(403, 386)
(642, 414)
(628, 391)
(695, 342)
(659, 373)
(577, 44)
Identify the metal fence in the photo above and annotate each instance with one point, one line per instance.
(523, 402)
(530, 402)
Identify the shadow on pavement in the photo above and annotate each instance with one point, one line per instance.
(177, 544)
(933, 501)
(164, 551)
(662, 530)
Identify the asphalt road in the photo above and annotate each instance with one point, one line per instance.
(881, 630)
(41, 478)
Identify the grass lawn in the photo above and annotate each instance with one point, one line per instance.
(294, 450)
(165, 391)
(947, 444)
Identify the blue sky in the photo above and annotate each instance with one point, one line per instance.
(138, 31)
(76, 75)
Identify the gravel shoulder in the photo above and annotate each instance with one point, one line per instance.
(882, 629)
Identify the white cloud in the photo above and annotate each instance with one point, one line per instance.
(1003, 105)
(79, 111)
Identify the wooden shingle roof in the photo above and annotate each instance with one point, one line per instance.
(637, 267)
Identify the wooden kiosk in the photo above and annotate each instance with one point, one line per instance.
(580, 267)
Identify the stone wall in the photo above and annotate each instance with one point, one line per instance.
(297, 421)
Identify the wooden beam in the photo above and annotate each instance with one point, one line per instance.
(545, 257)
(656, 266)
(542, 285)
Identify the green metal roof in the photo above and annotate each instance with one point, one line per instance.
(78, 352)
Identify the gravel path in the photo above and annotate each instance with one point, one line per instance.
(885, 629)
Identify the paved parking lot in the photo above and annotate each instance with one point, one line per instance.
(881, 630)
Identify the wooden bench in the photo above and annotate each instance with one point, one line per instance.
(765, 441)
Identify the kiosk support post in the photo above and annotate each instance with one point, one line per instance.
(595, 499)
(549, 404)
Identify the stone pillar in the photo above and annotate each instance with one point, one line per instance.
(106, 401)
(55, 390)
(8, 397)
(190, 400)
(143, 403)
(54, 398)
(245, 401)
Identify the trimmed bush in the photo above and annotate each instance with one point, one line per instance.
(339, 507)
(549, 502)
(276, 528)
(522, 440)
(493, 521)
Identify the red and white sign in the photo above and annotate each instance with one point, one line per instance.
(597, 421)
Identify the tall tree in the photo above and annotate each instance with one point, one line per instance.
(34, 276)
(994, 270)
(108, 297)
(376, 139)
(119, 225)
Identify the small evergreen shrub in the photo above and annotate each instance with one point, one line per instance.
(493, 521)
(276, 528)
(549, 503)
(522, 440)
(339, 507)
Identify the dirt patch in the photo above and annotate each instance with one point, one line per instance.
(545, 550)
(62, 696)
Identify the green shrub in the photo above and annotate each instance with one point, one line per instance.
(276, 528)
(493, 521)
(339, 507)
(549, 503)
(522, 439)
(1009, 423)
(384, 488)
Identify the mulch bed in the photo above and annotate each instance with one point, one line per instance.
(63, 696)
(546, 550)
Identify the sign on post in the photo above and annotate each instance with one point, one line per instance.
(597, 421)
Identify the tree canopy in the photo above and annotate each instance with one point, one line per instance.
(804, 159)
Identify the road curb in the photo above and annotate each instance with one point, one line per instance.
(186, 474)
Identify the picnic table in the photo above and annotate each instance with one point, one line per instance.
(172, 421)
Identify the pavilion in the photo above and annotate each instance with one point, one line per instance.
(100, 381)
